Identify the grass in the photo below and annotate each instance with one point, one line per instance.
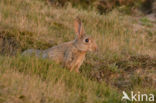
(146, 22)
(36, 79)
(126, 59)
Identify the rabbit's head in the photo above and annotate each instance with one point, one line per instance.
(83, 42)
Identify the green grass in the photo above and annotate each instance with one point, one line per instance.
(36, 79)
(126, 59)
(146, 22)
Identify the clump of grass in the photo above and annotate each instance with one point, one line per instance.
(146, 22)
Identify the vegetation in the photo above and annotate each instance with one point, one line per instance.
(126, 59)
(103, 6)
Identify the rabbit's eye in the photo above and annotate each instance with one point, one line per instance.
(87, 40)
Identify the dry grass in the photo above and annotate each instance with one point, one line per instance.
(47, 24)
(122, 41)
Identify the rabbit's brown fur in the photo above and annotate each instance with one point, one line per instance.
(70, 54)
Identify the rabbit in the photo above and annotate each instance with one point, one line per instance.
(70, 54)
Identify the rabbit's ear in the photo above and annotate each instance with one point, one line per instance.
(78, 28)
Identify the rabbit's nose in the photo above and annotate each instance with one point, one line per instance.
(95, 48)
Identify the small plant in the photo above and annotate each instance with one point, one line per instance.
(146, 22)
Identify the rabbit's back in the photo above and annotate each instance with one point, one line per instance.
(32, 52)
(57, 53)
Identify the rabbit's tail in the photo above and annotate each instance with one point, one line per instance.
(32, 52)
